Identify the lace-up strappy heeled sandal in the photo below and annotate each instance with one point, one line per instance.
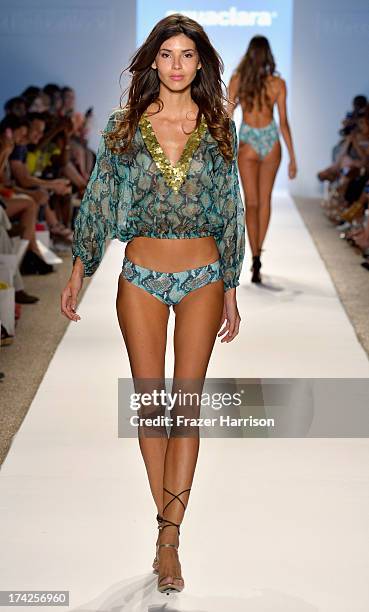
(155, 563)
(170, 586)
(255, 268)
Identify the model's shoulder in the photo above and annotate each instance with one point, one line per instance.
(235, 77)
(119, 111)
(115, 116)
(278, 82)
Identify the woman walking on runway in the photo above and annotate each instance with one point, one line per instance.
(165, 181)
(255, 86)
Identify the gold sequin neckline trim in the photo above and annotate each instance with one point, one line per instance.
(174, 174)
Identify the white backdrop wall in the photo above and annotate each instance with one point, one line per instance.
(329, 67)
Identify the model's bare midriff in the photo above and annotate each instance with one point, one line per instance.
(172, 254)
(260, 119)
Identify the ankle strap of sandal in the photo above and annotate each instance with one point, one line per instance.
(168, 546)
(168, 524)
(161, 520)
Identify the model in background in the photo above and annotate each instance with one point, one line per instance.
(257, 88)
(166, 182)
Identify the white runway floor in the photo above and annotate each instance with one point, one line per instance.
(273, 525)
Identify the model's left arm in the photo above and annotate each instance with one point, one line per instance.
(231, 244)
(233, 99)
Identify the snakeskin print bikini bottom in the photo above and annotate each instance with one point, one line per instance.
(170, 287)
(261, 139)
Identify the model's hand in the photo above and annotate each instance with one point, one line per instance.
(292, 169)
(69, 297)
(230, 317)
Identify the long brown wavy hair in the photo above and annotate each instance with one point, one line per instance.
(206, 87)
(254, 68)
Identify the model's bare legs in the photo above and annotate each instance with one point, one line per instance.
(267, 173)
(143, 321)
(248, 165)
(257, 177)
(198, 317)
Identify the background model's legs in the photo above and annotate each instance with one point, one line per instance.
(267, 173)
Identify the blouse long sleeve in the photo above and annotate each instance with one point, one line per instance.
(95, 221)
(231, 244)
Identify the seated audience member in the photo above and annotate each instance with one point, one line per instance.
(359, 235)
(57, 142)
(36, 100)
(347, 200)
(7, 248)
(36, 187)
(44, 160)
(56, 100)
(16, 106)
(355, 163)
(48, 158)
(353, 171)
(349, 124)
(20, 206)
(82, 156)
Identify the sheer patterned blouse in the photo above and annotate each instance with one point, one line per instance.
(141, 193)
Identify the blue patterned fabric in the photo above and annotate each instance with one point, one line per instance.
(170, 287)
(261, 139)
(127, 196)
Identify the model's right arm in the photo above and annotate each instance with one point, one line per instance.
(231, 243)
(96, 218)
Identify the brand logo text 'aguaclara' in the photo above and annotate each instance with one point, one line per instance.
(229, 17)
